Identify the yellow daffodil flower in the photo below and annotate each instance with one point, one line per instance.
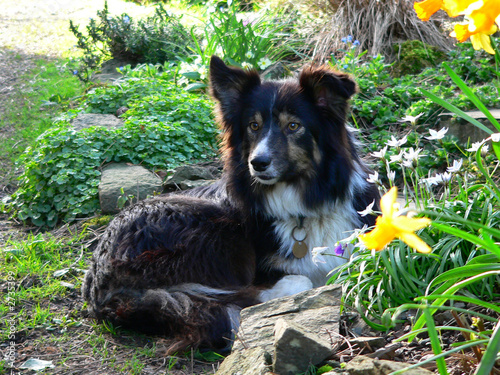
(482, 16)
(427, 8)
(390, 226)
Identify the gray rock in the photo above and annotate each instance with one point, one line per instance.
(191, 176)
(316, 310)
(295, 348)
(134, 179)
(109, 71)
(253, 361)
(362, 365)
(86, 120)
(464, 130)
(315, 313)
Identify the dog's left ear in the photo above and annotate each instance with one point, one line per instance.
(326, 87)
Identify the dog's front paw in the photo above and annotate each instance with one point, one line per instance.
(287, 286)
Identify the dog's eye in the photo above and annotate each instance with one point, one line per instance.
(293, 126)
(254, 126)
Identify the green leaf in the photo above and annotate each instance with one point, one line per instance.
(455, 110)
(495, 141)
(491, 353)
(468, 92)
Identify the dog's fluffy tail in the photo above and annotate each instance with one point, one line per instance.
(192, 314)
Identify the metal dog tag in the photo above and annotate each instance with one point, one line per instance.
(299, 249)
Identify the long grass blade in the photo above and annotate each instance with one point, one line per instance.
(490, 354)
(468, 92)
(455, 110)
(436, 345)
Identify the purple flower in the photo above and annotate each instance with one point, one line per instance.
(339, 250)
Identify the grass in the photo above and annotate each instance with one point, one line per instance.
(47, 89)
(43, 274)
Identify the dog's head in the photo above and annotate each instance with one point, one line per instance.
(283, 131)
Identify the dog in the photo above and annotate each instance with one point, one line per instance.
(184, 264)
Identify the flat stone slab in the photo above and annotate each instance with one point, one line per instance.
(86, 120)
(465, 131)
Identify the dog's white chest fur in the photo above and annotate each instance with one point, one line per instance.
(322, 227)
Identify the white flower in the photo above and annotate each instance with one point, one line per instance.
(373, 178)
(380, 154)
(411, 154)
(437, 135)
(396, 158)
(246, 65)
(407, 164)
(391, 175)
(495, 137)
(249, 55)
(264, 63)
(397, 143)
(202, 71)
(368, 210)
(354, 235)
(457, 164)
(411, 119)
(318, 255)
(431, 181)
(475, 146)
(445, 177)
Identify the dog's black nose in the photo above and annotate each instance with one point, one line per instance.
(261, 163)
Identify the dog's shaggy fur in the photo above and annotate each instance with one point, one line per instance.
(184, 265)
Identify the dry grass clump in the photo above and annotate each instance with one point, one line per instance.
(376, 24)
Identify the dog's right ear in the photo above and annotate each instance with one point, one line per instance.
(227, 83)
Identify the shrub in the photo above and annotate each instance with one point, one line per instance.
(156, 39)
(249, 40)
(164, 127)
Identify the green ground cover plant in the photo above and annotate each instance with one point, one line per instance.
(164, 127)
(388, 105)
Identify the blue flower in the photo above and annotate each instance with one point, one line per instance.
(75, 72)
(126, 19)
(349, 38)
(356, 43)
(339, 250)
(344, 40)
(346, 66)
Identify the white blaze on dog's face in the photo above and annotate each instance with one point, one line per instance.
(280, 147)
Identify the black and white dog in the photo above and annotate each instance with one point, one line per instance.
(184, 265)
